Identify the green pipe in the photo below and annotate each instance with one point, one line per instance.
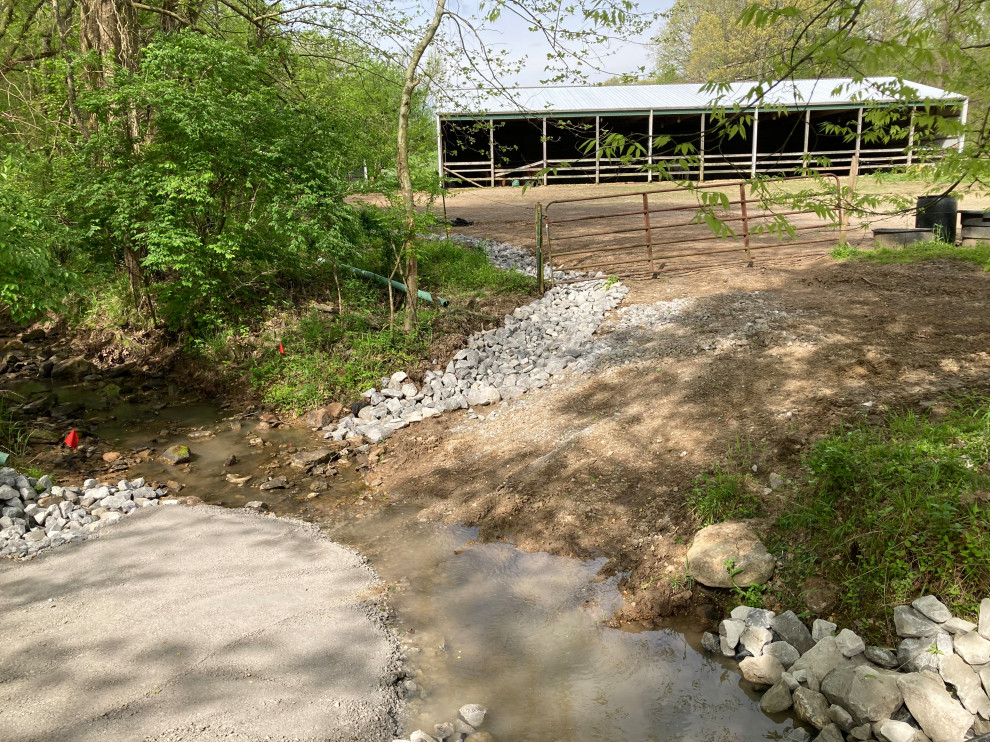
(424, 295)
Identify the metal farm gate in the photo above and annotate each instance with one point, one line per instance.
(645, 234)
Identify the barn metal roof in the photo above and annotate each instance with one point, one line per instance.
(687, 97)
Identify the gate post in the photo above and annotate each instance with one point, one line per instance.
(539, 248)
(745, 224)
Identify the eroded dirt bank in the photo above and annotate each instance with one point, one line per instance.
(740, 367)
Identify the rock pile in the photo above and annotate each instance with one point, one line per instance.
(934, 689)
(37, 514)
(462, 729)
(543, 339)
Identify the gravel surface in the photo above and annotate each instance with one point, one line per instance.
(194, 624)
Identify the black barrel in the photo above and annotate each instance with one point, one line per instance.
(937, 213)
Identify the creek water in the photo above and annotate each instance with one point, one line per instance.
(521, 633)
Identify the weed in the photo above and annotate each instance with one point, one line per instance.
(13, 435)
(916, 252)
(893, 511)
(722, 495)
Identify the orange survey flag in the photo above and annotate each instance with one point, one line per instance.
(72, 440)
(281, 350)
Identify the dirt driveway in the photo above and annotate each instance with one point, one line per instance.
(739, 366)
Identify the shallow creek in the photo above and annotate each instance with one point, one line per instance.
(520, 633)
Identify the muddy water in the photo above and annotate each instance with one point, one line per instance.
(521, 633)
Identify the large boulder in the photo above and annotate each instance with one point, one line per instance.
(792, 630)
(323, 416)
(941, 717)
(964, 679)
(309, 459)
(73, 368)
(821, 659)
(923, 653)
(175, 455)
(776, 700)
(868, 694)
(910, 624)
(730, 543)
(810, 707)
(763, 670)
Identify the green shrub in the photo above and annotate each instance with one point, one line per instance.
(891, 512)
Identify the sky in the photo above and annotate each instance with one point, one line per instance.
(511, 34)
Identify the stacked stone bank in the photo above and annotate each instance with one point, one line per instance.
(538, 341)
(37, 514)
(934, 688)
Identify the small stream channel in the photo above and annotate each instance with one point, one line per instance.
(521, 633)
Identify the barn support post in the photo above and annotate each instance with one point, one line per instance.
(807, 133)
(859, 133)
(745, 224)
(649, 149)
(598, 148)
(491, 149)
(439, 150)
(539, 246)
(756, 130)
(701, 152)
(545, 165)
(910, 152)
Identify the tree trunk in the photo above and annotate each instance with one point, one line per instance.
(409, 82)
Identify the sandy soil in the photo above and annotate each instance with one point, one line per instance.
(194, 624)
(601, 464)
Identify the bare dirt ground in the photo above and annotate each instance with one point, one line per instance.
(755, 363)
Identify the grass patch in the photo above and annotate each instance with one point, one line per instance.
(333, 358)
(446, 266)
(917, 252)
(13, 435)
(722, 495)
(337, 356)
(887, 514)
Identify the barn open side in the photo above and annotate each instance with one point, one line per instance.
(643, 133)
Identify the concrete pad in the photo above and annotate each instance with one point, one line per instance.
(193, 624)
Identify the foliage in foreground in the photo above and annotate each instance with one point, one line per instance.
(978, 254)
(888, 513)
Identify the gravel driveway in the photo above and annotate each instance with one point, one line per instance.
(194, 624)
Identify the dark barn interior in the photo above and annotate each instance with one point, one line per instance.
(648, 133)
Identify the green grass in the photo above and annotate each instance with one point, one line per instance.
(335, 357)
(914, 253)
(445, 266)
(332, 358)
(722, 495)
(889, 513)
(13, 435)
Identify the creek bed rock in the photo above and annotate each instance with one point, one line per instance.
(845, 690)
(38, 515)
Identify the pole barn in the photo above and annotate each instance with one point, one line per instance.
(642, 133)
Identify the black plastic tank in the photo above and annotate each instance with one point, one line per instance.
(938, 213)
